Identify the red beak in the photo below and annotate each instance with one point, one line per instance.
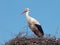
(23, 12)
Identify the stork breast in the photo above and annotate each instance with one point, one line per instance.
(33, 28)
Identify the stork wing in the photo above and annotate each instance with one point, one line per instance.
(39, 28)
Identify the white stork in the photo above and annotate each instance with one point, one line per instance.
(34, 25)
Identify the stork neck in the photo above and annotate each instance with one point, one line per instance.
(27, 13)
(27, 16)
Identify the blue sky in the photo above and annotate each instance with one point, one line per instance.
(47, 12)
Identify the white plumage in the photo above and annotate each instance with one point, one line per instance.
(33, 24)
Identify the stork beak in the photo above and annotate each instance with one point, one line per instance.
(23, 12)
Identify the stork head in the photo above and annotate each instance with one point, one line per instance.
(26, 10)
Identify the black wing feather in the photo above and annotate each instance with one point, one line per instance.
(39, 28)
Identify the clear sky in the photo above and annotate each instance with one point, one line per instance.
(47, 12)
